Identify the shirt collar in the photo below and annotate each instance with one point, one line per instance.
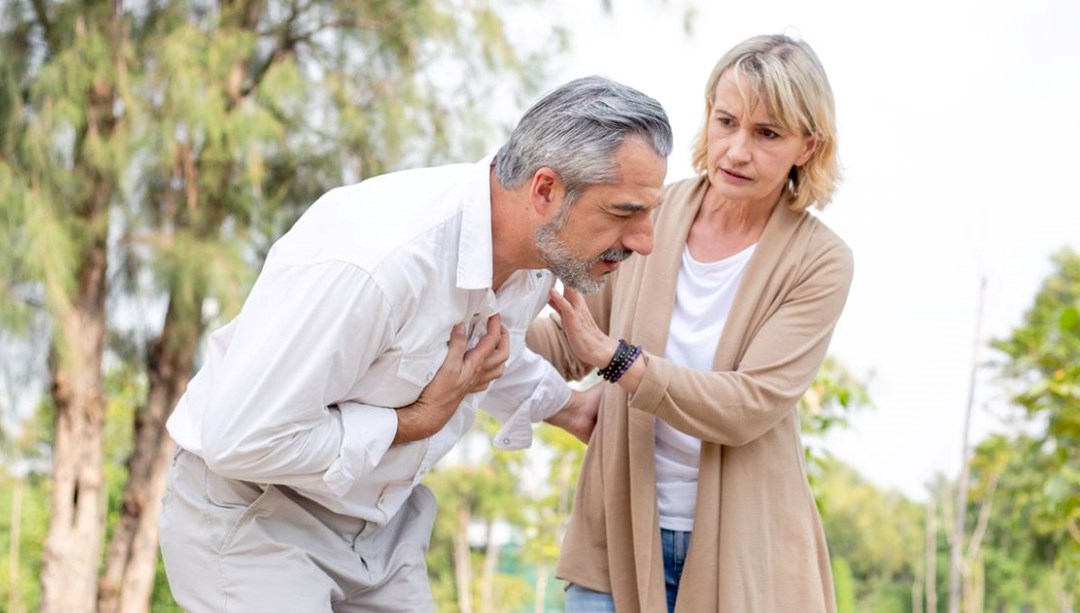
(474, 270)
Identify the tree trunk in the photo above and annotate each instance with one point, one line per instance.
(979, 587)
(71, 553)
(540, 588)
(1064, 602)
(463, 559)
(973, 568)
(917, 594)
(974, 585)
(128, 580)
(931, 553)
(72, 549)
(956, 556)
(491, 562)
(13, 552)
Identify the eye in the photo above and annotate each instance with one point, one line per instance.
(769, 134)
(727, 122)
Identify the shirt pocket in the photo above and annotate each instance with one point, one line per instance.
(419, 368)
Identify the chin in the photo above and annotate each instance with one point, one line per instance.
(594, 285)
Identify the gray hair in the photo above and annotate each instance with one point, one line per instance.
(576, 129)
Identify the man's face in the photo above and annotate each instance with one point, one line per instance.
(586, 241)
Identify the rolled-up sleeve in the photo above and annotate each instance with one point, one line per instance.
(529, 392)
(367, 433)
(306, 335)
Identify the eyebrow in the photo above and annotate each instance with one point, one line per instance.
(629, 207)
(771, 125)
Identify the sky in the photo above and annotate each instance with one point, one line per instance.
(959, 135)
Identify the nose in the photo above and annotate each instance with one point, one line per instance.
(639, 236)
(740, 146)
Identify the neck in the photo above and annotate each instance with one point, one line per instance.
(511, 242)
(724, 227)
(739, 217)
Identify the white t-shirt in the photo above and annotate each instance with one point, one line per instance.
(703, 297)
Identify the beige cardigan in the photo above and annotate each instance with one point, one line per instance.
(757, 544)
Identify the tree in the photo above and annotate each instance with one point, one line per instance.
(1041, 371)
(66, 144)
(834, 394)
(1020, 558)
(550, 510)
(959, 562)
(878, 536)
(481, 490)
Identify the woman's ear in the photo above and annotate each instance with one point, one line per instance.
(810, 146)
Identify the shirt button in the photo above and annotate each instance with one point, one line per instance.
(539, 275)
(506, 441)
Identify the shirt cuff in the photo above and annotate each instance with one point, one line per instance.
(547, 399)
(367, 433)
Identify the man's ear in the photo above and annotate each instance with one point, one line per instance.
(546, 192)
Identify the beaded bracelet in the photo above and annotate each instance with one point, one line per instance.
(624, 357)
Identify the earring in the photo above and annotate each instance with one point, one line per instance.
(793, 180)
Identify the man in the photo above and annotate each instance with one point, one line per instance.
(304, 437)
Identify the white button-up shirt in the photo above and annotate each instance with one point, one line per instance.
(348, 320)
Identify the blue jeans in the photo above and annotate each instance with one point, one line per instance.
(583, 600)
(675, 545)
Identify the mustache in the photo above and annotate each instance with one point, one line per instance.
(615, 254)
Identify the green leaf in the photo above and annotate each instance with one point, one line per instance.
(1070, 319)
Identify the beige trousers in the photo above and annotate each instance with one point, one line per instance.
(234, 546)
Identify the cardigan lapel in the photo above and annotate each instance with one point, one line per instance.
(649, 300)
(654, 287)
(763, 266)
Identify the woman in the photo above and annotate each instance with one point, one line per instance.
(696, 458)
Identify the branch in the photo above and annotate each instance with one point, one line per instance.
(41, 12)
(290, 41)
(286, 43)
(984, 518)
(946, 512)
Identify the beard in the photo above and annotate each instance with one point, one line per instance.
(572, 270)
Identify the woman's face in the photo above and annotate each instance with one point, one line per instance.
(749, 154)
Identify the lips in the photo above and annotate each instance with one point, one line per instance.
(611, 258)
(733, 175)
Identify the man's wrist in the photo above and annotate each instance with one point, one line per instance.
(560, 417)
(411, 423)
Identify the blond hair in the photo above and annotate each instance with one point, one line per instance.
(785, 75)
